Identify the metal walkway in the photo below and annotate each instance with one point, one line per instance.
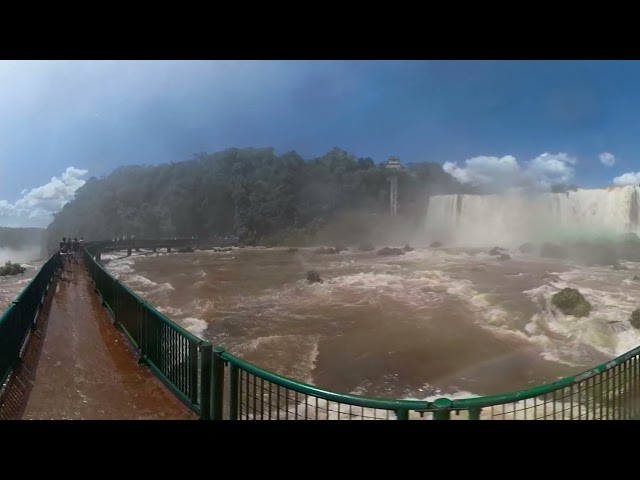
(86, 368)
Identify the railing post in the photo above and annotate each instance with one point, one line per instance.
(193, 371)
(218, 384)
(474, 413)
(116, 310)
(142, 344)
(402, 414)
(233, 392)
(15, 335)
(206, 354)
(443, 411)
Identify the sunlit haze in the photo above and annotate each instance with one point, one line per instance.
(492, 123)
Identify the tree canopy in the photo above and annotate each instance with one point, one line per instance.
(252, 193)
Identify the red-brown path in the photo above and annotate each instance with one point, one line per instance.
(87, 370)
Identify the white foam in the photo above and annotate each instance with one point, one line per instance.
(120, 267)
(277, 345)
(313, 408)
(195, 326)
(141, 281)
(567, 338)
(169, 311)
(419, 289)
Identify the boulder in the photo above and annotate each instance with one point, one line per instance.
(390, 251)
(604, 255)
(408, 248)
(629, 248)
(551, 250)
(11, 269)
(505, 256)
(527, 248)
(435, 244)
(325, 251)
(497, 251)
(341, 248)
(618, 266)
(635, 278)
(634, 320)
(629, 237)
(314, 277)
(571, 302)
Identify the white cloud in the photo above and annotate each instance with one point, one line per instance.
(549, 169)
(629, 178)
(37, 206)
(607, 159)
(503, 173)
(484, 170)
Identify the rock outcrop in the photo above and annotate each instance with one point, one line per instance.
(527, 248)
(390, 251)
(552, 250)
(571, 302)
(11, 269)
(314, 277)
(325, 251)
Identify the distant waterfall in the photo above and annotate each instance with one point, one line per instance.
(510, 219)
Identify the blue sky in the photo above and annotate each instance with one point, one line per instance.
(487, 121)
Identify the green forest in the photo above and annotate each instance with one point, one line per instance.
(252, 193)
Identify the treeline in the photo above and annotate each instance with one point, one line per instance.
(17, 238)
(252, 193)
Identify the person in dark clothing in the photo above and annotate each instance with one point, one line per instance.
(63, 254)
(69, 249)
(75, 249)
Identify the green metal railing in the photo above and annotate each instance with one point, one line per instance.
(181, 360)
(610, 391)
(20, 317)
(256, 394)
(218, 385)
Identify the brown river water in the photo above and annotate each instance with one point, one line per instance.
(429, 323)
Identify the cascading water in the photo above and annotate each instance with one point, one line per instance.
(513, 218)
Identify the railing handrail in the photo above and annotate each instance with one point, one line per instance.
(190, 336)
(20, 295)
(305, 388)
(538, 390)
(28, 302)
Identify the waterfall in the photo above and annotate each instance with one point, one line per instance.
(511, 219)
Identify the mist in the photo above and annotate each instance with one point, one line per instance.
(25, 255)
(511, 219)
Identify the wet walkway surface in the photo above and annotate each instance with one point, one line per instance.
(87, 370)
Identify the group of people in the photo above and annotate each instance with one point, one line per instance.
(124, 238)
(71, 249)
